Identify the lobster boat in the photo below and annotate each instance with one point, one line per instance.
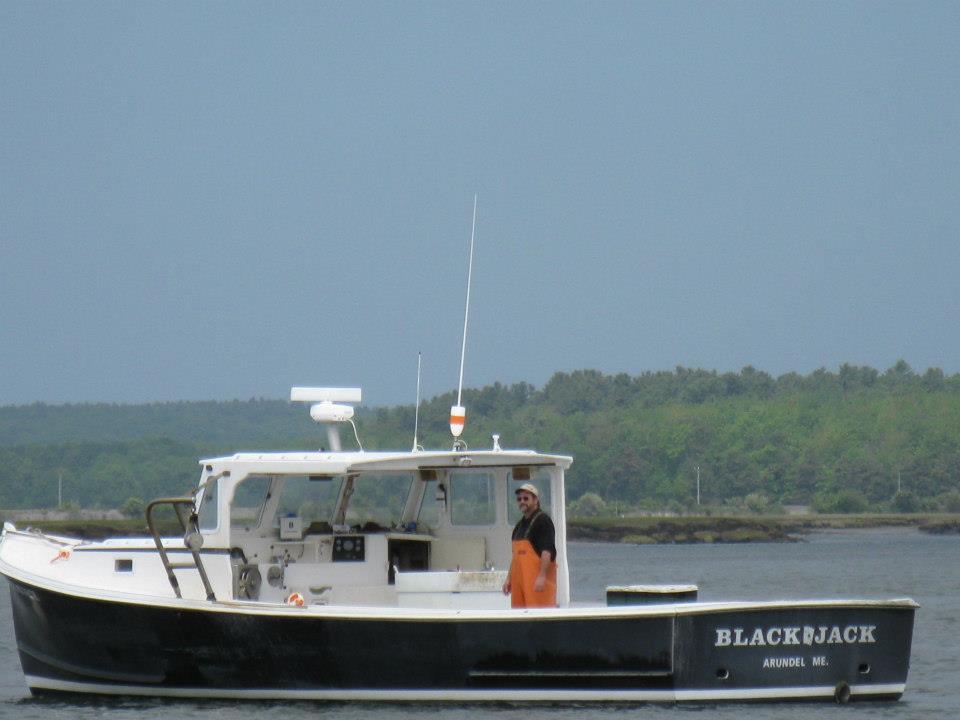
(351, 574)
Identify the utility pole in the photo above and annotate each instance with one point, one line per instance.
(698, 486)
(59, 489)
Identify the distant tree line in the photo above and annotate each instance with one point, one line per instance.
(844, 441)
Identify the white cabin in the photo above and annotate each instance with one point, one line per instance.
(409, 529)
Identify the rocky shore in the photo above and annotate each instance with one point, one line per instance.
(653, 530)
(734, 529)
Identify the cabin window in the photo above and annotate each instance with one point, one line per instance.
(376, 501)
(248, 500)
(429, 515)
(541, 480)
(473, 498)
(208, 507)
(312, 498)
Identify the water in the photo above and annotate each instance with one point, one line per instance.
(865, 563)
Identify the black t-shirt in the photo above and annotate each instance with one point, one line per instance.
(539, 531)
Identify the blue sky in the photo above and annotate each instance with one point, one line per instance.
(221, 200)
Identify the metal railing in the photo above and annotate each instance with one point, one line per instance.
(192, 539)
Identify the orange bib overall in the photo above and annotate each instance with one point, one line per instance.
(523, 573)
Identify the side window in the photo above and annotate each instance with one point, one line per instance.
(540, 479)
(208, 507)
(248, 499)
(472, 497)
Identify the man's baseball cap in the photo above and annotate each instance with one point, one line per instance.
(527, 487)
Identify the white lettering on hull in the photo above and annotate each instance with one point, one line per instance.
(798, 661)
(783, 662)
(805, 635)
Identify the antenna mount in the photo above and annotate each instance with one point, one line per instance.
(327, 409)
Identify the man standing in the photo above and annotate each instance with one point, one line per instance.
(532, 581)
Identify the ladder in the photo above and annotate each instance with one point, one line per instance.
(192, 539)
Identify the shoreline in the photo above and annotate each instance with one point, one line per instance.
(693, 529)
(640, 530)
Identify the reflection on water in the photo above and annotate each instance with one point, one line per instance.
(855, 564)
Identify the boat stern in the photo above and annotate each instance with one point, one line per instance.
(800, 650)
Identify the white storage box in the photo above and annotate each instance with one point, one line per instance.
(453, 590)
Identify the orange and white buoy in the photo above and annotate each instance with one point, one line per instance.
(458, 418)
(296, 599)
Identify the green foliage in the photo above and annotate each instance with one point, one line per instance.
(844, 502)
(589, 505)
(950, 501)
(906, 502)
(72, 508)
(839, 440)
(96, 475)
(134, 507)
(757, 503)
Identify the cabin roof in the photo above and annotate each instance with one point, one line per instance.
(339, 463)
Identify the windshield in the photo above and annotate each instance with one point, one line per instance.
(369, 502)
(474, 498)
(313, 499)
(376, 501)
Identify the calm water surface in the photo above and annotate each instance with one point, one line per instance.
(865, 563)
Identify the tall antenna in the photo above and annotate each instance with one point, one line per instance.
(458, 415)
(416, 413)
(466, 310)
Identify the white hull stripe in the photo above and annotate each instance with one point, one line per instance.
(788, 692)
(481, 695)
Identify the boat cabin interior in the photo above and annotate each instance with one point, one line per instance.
(409, 530)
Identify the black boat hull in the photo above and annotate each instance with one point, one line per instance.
(702, 652)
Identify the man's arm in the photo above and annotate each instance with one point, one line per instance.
(541, 582)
